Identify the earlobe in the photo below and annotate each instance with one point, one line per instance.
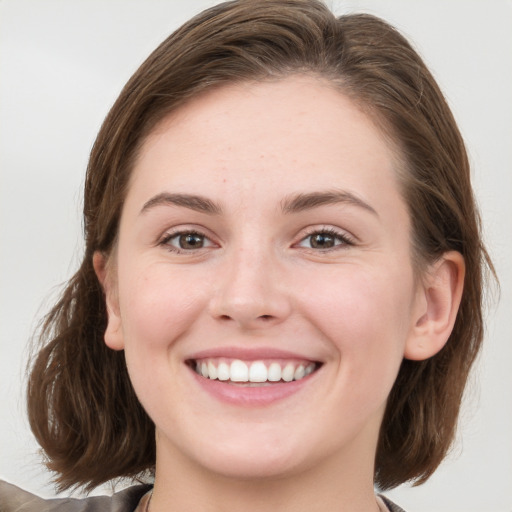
(437, 307)
(113, 333)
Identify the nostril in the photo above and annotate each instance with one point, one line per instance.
(262, 317)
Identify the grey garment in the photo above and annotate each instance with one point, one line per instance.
(391, 506)
(14, 499)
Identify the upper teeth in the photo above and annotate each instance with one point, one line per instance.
(254, 371)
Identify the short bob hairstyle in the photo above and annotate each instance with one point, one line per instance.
(81, 404)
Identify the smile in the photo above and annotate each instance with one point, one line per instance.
(252, 372)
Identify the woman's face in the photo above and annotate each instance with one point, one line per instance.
(263, 288)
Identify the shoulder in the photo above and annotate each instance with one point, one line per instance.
(14, 499)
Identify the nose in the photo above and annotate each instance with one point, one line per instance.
(251, 291)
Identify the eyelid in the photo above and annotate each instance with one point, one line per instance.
(347, 239)
(177, 231)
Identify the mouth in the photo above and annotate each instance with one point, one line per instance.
(256, 373)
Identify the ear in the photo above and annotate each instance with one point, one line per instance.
(438, 301)
(114, 332)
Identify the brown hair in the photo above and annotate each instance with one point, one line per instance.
(82, 407)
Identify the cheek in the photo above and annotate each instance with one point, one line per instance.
(157, 310)
(157, 306)
(365, 314)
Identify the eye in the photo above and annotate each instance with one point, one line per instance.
(186, 241)
(325, 239)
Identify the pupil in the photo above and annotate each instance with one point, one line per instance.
(322, 240)
(191, 241)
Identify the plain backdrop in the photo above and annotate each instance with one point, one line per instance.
(62, 64)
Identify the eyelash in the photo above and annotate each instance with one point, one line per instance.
(165, 241)
(342, 238)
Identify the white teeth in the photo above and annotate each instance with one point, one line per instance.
(309, 369)
(252, 372)
(258, 372)
(274, 372)
(212, 370)
(299, 372)
(287, 373)
(223, 371)
(239, 371)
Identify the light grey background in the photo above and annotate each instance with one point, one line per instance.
(62, 64)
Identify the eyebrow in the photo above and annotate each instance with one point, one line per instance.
(190, 201)
(292, 204)
(307, 201)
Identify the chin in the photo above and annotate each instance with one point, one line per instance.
(250, 455)
(250, 467)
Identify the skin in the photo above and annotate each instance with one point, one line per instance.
(258, 282)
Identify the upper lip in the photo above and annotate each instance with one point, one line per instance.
(249, 354)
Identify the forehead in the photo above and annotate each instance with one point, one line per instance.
(296, 133)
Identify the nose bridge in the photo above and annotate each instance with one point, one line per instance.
(250, 288)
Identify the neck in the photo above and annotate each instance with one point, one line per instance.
(330, 486)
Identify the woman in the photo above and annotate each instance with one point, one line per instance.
(282, 275)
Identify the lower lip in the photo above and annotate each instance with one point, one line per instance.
(250, 396)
